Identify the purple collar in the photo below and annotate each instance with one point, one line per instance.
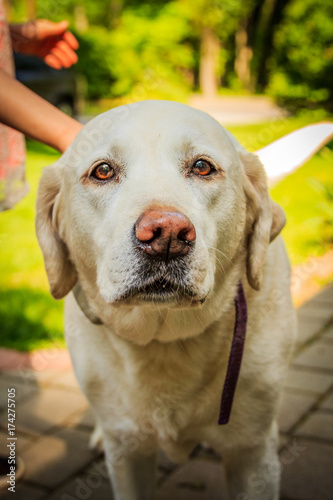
(235, 357)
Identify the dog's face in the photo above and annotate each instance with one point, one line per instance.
(150, 204)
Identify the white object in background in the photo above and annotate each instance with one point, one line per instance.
(290, 152)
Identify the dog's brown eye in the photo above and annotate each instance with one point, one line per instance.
(103, 172)
(202, 167)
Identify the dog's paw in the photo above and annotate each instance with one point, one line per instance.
(96, 440)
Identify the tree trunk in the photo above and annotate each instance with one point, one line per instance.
(31, 8)
(243, 56)
(271, 16)
(116, 7)
(209, 62)
(80, 18)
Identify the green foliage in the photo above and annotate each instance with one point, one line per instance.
(309, 223)
(303, 59)
(146, 54)
(55, 11)
(325, 221)
(221, 16)
(98, 13)
(153, 50)
(96, 57)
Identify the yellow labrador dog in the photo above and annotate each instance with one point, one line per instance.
(155, 223)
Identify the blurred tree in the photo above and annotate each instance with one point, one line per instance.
(98, 13)
(31, 9)
(270, 15)
(243, 55)
(55, 11)
(81, 21)
(244, 38)
(145, 54)
(254, 41)
(212, 21)
(303, 57)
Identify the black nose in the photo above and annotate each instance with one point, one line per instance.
(164, 233)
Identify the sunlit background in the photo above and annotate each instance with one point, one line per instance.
(264, 67)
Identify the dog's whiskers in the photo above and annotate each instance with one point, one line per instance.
(220, 266)
(223, 254)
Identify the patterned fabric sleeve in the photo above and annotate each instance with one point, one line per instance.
(13, 185)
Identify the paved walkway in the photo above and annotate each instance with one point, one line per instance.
(230, 110)
(54, 424)
(236, 110)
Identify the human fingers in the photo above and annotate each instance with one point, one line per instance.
(53, 61)
(64, 54)
(69, 53)
(71, 40)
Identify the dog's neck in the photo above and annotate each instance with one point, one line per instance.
(83, 303)
(236, 351)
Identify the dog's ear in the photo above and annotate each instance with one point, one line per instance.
(265, 218)
(60, 270)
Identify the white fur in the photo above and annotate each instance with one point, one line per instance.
(154, 372)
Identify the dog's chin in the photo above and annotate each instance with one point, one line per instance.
(159, 294)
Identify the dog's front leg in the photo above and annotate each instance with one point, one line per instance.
(132, 471)
(253, 473)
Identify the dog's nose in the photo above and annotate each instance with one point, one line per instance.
(164, 233)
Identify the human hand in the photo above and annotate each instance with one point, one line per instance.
(50, 41)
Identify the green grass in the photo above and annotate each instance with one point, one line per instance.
(256, 136)
(31, 319)
(309, 229)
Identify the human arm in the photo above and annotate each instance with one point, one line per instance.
(23, 110)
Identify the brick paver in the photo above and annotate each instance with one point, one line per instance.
(319, 355)
(309, 476)
(308, 381)
(329, 333)
(45, 409)
(53, 458)
(293, 406)
(23, 440)
(30, 377)
(85, 418)
(22, 390)
(307, 329)
(327, 403)
(196, 480)
(54, 423)
(317, 425)
(324, 297)
(23, 492)
(83, 487)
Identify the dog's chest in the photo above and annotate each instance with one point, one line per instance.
(159, 391)
(163, 391)
(160, 394)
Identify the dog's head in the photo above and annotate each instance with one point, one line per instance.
(154, 203)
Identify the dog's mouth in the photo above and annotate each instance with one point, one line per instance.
(159, 291)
